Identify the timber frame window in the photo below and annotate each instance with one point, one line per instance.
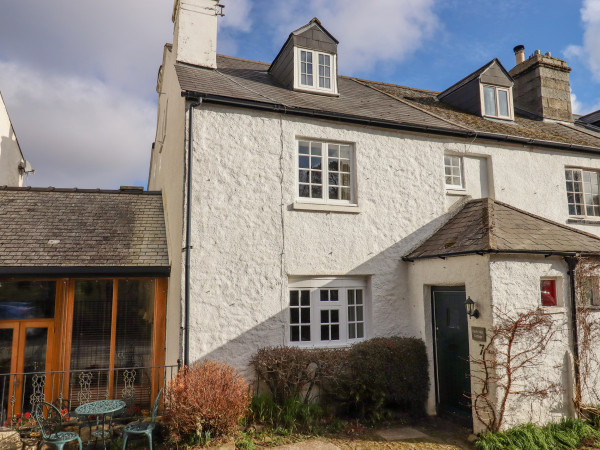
(453, 172)
(496, 102)
(582, 192)
(315, 71)
(551, 292)
(326, 172)
(326, 312)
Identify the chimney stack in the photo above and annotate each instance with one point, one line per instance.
(542, 85)
(520, 53)
(195, 32)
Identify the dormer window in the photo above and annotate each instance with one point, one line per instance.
(496, 102)
(315, 71)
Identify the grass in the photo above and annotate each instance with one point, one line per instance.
(567, 434)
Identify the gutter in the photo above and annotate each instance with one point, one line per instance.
(188, 234)
(134, 271)
(361, 120)
(546, 253)
(572, 264)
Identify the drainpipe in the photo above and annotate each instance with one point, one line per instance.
(188, 236)
(572, 263)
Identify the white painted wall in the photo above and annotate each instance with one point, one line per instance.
(167, 173)
(10, 152)
(516, 288)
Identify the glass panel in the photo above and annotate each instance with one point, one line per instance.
(294, 315)
(295, 334)
(503, 103)
(36, 340)
(489, 101)
(360, 330)
(303, 147)
(293, 298)
(351, 331)
(305, 333)
(317, 192)
(6, 341)
(305, 315)
(334, 295)
(304, 190)
(305, 298)
(324, 332)
(27, 299)
(548, 288)
(303, 176)
(135, 320)
(335, 332)
(90, 345)
(324, 294)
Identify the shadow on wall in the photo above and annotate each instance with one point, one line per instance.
(10, 158)
(392, 313)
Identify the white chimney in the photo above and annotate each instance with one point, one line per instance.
(195, 32)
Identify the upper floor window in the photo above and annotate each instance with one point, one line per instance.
(582, 192)
(453, 172)
(497, 102)
(315, 71)
(325, 172)
(327, 311)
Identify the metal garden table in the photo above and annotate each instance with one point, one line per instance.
(100, 408)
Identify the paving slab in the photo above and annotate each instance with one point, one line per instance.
(313, 444)
(401, 433)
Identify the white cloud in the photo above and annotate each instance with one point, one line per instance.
(237, 15)
(369, 32)
(77, 131)
(590, 50)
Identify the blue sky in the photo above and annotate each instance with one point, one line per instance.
(79, 78)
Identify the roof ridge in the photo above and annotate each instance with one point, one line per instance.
(428, 91)
(544, 219)
(573, 127)
(236, 58)
(414, 106)
(77, 190)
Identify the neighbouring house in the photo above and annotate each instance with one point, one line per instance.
(83, 283)
(313, 209)
(12, 163)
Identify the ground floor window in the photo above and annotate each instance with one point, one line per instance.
(327, 311)
(79, 340)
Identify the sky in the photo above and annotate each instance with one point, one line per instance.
(79, 77)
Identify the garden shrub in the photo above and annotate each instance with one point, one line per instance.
(387, 371)
(204, 401)
(291, 414)
(362, 379)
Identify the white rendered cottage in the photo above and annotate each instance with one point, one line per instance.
(310, 209)
(12, 163)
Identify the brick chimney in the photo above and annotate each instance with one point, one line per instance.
(542, 85)
(195, 32)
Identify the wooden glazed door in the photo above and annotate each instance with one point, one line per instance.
(26, 350)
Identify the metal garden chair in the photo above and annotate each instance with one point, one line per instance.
(51, 425)
(142, 427)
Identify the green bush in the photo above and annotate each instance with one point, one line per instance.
(387, 371)
(568, 434)
(362, 380)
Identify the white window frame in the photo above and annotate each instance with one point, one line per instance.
(342, 285)
(325, 200)
(461, 185)
(314, 87)
(582, 193)
(508, 91)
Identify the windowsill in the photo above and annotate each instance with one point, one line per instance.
(310, 90)
(583, 221)
(554, 309)
(324, 207)
(500, 119)
(321, 345)
(456, 191)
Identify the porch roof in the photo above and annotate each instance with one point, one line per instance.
(489, 226)
(47, 230)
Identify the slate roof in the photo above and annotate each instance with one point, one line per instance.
(472, 76)
(62, 228)
(489, 226)
(247, 83)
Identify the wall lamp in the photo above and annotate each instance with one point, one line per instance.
(471, 310)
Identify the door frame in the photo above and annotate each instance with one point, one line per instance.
(433, 289)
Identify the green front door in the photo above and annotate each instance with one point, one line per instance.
(452, 352)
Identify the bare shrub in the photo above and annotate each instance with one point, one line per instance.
(205, 400)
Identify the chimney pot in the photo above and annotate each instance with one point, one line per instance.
(519, 53)
(548, 54)
(537, 52)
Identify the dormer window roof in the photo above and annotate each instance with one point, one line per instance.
(308, 60)
(487, 92)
